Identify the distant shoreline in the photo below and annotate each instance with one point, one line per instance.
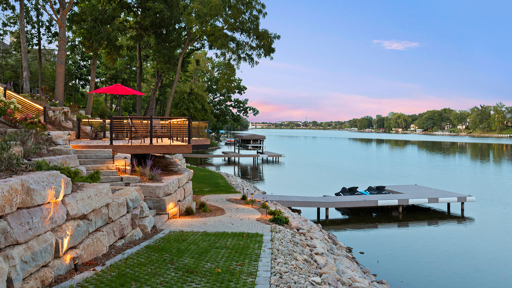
(413, 133)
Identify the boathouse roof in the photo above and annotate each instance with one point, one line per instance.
(250, 136)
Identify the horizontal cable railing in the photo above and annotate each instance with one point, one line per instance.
(27, 107)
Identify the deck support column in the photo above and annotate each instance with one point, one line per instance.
(448, 207)
(318, 214)
(327, 214)
(400, 209)
(462, 208)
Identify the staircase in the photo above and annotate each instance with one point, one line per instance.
(100, 159)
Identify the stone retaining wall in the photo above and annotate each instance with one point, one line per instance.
(45, 227)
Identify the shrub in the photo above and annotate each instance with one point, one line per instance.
(205, 209)
(148, 170)
(244, 197)
(32, 141)
(73, 173)
(264, 205)
(9, 159)
(189, 210)
(213, 143)
(250, 201)
(275, 212)
(202, 204)
(280, 220)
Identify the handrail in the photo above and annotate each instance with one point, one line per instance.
(27, 106)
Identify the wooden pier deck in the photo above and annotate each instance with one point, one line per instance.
(400, 195)
(234, 155)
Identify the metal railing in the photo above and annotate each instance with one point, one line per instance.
(27, 106)
(145, 129)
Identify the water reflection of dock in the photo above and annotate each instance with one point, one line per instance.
(413, 217)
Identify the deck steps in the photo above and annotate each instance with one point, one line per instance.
(93, 156)
(93, 151)
(100, 167)
(110, 179)
(105, 173)
(95, 161)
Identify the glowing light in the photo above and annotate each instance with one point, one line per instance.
(51, 198)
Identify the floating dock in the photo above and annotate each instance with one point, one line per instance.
(233, 155)
(400, 195)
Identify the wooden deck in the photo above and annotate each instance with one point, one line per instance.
(400, 195)
(138, 146)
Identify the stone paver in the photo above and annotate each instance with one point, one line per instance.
(237, 218)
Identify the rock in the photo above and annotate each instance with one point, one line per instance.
(88, 198)
(93, 246)
(67, 124)
(6, 235)
(329, 268)
(119, 243)
(29, 223)
(121, 159)
(4, 270)
(320, 260)
(27, 258)
(59, 150)
(358, 285)
(160, 220)
(135, 234)
(145, 224)
(65, 263)
(82, 169)
(42, 278)
(315, 280)
(97, 218)
(158, 190)
(10, 195)
(69, 235)
(183, 179)
(187, 189)
(131, 197)
(131, 179)
(164, 204)
(64, 160)
(61, 137)
(117, 229)
(144, 210)
(117, 208)
(43, 187)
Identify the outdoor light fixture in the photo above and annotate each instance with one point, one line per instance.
(125, 159)
(69, 138)
(266, 208)
(179, 204)
(252, 202)
(75, 264)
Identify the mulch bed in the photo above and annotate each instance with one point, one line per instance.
(214, 210)
(264, 217)
(113, 251)
(169, 168)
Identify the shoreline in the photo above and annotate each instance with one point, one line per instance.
(304, 254)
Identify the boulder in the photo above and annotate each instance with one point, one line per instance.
(29, 223)
(131, 179)
(158, 190)
(120, 161)
(88, 198)
(65, 263)
(42, 278)
(117, 208)
(60, 150)
(97, 218)
(4, 270)
(145, 224)
(144, 210)
(160, 220)
(61, 137)
(117, 229)
(187, 189)
(137, 189)
(64, 160)
(93, 246)
(163, 204)
(10, 195)
(27, 258)
(131, 197)
(43, 187)
(69, 235)
(6, 235)
(135, 234)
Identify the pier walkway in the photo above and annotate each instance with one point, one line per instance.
(234, 155)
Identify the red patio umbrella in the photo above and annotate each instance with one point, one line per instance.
(117, 89)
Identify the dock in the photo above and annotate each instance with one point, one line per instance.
(234, 155)
(400, 196)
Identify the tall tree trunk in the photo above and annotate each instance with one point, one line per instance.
(39, 54)
(92, 84)
(24, 52)
(119, 102)
(139, 79)
(177, 77)
(150, 110)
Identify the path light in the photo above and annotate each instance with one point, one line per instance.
(179, 202)
(125, 159)
(266, 208)
(247, 194)
(75, 264)
(69, 138)
(252, 202)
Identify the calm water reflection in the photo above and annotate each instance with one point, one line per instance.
(426, 248)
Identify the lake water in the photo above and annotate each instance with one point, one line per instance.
(426, 248)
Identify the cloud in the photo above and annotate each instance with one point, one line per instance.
(397, 45)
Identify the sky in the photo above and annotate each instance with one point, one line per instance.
(345, 59)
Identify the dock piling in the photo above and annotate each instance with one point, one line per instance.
(448, 207)
(327, 214)
(318, 214)
(462, 208)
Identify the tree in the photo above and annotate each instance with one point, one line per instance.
(459, 118)
(24, 52)
(232, 29)
(378, 121)
(480, 118)
(499, 117)
(400, 120)
(60, 18)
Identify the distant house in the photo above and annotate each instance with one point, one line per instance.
(382, 129)
(263, 125)
(397, 129)
(413, 127)
(448, 126)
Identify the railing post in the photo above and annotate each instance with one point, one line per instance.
(189, 129)
(78, 122)
(45, 113)
(111, 130)
(151, 130)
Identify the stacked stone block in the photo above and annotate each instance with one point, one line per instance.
(45, 227)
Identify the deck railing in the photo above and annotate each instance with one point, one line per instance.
(143, 128)
(27, 106)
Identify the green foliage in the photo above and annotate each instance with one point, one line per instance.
(202, 204)
(189, 210)
(73, 173)
(244, 197)
(275, 212)
(280, 220)
(213, 143)
(264, 205)
(250, 201)
(31, 140)
(205, 209)
(9, 159)
(209, 182)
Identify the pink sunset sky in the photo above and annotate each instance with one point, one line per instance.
(346, 59)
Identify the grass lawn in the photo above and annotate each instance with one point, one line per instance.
(208, 182)
(187, 259)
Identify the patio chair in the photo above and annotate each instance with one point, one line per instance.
(139, 131)
(160, 130)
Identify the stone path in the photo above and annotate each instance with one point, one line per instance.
(237, 218)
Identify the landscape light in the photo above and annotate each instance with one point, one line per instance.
(266, 208)
(75, 264)
(125, 159)
(252, 202)
(179, 202)
(69, 138)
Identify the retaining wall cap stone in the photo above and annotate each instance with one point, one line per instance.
(43, 187)
(10, 195)
(88, 198)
